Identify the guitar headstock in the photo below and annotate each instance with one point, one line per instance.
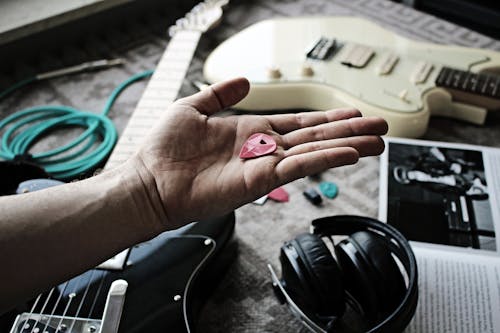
(203, 17)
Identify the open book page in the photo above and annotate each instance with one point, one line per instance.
(445, 199)
(458, 292)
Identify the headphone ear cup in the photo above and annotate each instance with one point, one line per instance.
(379, 287)
(323, 274)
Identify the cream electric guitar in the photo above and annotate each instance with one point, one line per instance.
(326, 62)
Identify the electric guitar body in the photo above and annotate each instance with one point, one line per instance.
(168, 278)
(322, 63)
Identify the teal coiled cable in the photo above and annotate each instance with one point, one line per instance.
(22, 130)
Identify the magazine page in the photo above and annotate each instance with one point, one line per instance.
(457, 293)
(445, 199)
(442, 193)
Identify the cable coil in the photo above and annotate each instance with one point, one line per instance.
(24, 128)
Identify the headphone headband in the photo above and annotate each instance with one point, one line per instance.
(349, 224)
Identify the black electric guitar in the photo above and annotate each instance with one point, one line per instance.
(156, 286)
(161, 286)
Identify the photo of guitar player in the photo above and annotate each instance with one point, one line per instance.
(440, 195)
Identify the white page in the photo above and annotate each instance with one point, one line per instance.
(457, 293)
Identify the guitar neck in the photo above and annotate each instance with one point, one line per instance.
(480, 89)
(476, 83)
(161, 91)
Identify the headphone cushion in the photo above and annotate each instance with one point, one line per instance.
(324, 274)
(385, 274)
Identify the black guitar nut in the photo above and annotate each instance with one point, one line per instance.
(313, 196)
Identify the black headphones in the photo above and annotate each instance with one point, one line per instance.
(364, 274)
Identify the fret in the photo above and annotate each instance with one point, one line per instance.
(496, 90)
(133, 133)
(442, 76)
(147, 114)
(159, 94)
(481, 85)
(175, 59)
(457, 76)
(172, 70)
(449, 77)
(141, 119)
(161, 83)
(167, 86)
(143, 126)
(475, 83)
(162, 98)
(466, 81)
(484, 88)
(166, 75)
(159, 102)
(124, 153)
(126, 145)
(152, 110)
(113, 163)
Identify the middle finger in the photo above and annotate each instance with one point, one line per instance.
(337, 129)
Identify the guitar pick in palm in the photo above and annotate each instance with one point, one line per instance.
(258, 144)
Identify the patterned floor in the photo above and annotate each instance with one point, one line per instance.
(244, 301)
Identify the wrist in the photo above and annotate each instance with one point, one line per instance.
(143, 196)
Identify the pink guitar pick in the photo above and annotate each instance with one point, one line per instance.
(279, 194)
(258, 144)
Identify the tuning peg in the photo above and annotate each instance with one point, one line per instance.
(199, 7)
(172, 30)
(181, 23)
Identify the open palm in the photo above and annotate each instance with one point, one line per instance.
(190, 162)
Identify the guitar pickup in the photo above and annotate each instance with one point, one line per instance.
(387, 64)
(421, 72)
(358, 56)
(323, 49)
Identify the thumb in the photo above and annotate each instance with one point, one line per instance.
(218, 96)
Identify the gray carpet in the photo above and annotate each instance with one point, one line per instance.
(244, 301)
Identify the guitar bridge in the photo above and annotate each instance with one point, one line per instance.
(45, 323)
(41, 323)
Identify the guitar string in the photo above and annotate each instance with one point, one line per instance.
(70, 299)
(71, 296)
(31, 311)
(82, 301)
(49, 296)
(103, 277)
(55, 306)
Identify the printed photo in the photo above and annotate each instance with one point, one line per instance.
(439, 195)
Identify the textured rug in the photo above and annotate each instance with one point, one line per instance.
(244, 300)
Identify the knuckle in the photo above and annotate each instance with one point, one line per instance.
(299, 119)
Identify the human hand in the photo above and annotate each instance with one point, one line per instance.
(190, 164)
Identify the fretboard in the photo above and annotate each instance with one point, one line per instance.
(160, 92)
(483, 84)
